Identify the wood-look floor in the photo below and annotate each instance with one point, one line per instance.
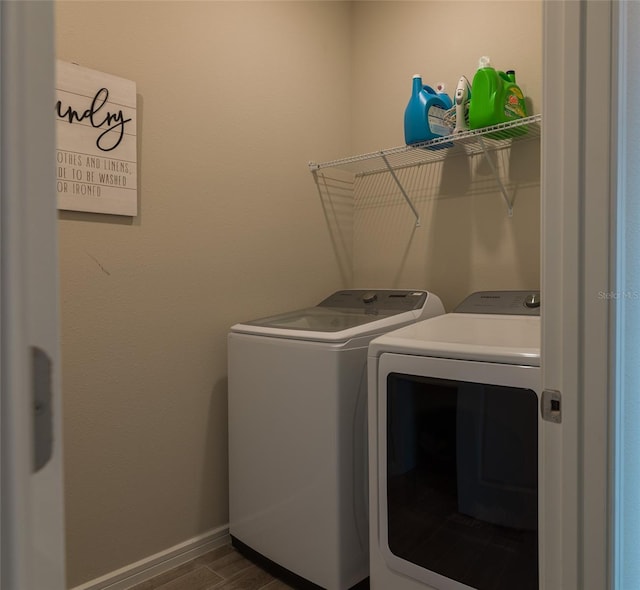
(221, 569)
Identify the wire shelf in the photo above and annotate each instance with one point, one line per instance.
(468, 143)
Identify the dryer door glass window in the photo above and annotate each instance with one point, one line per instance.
(462, 480)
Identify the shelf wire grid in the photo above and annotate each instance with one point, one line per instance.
(467, 143)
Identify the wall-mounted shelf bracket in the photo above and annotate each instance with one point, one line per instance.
(471, 142)
(402, 191)
(496, 175)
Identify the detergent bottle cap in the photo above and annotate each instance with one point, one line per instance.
(485, 62)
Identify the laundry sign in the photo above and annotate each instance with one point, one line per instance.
(96, 151)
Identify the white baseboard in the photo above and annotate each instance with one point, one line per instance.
(160, 562)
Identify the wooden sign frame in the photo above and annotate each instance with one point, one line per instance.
(96, 145)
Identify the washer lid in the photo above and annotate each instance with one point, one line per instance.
(347, 314)
(508, 339)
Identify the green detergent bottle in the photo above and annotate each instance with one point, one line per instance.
(496, 98)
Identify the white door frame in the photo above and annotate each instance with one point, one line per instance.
(31, 518)
(576, 253)
(578, 193)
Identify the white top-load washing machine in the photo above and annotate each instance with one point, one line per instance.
(454, 434)
(297, 433)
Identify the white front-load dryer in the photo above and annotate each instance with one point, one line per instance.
(297, 433)
(454, 439)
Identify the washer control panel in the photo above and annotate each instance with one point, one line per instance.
(389, 300)
(502, 302)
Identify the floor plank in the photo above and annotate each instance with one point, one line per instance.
(220, 569)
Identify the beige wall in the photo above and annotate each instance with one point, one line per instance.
(233, 99)
(466, 241)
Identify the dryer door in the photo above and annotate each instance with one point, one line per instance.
(458, 471)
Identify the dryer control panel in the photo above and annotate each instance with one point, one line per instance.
(502, 302)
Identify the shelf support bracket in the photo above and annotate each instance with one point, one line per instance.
(404, 193)
(503, 190)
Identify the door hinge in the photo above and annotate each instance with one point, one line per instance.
(42, 410)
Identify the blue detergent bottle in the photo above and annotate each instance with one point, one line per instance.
(425, 115)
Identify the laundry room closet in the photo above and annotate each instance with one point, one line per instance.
(234, 99)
